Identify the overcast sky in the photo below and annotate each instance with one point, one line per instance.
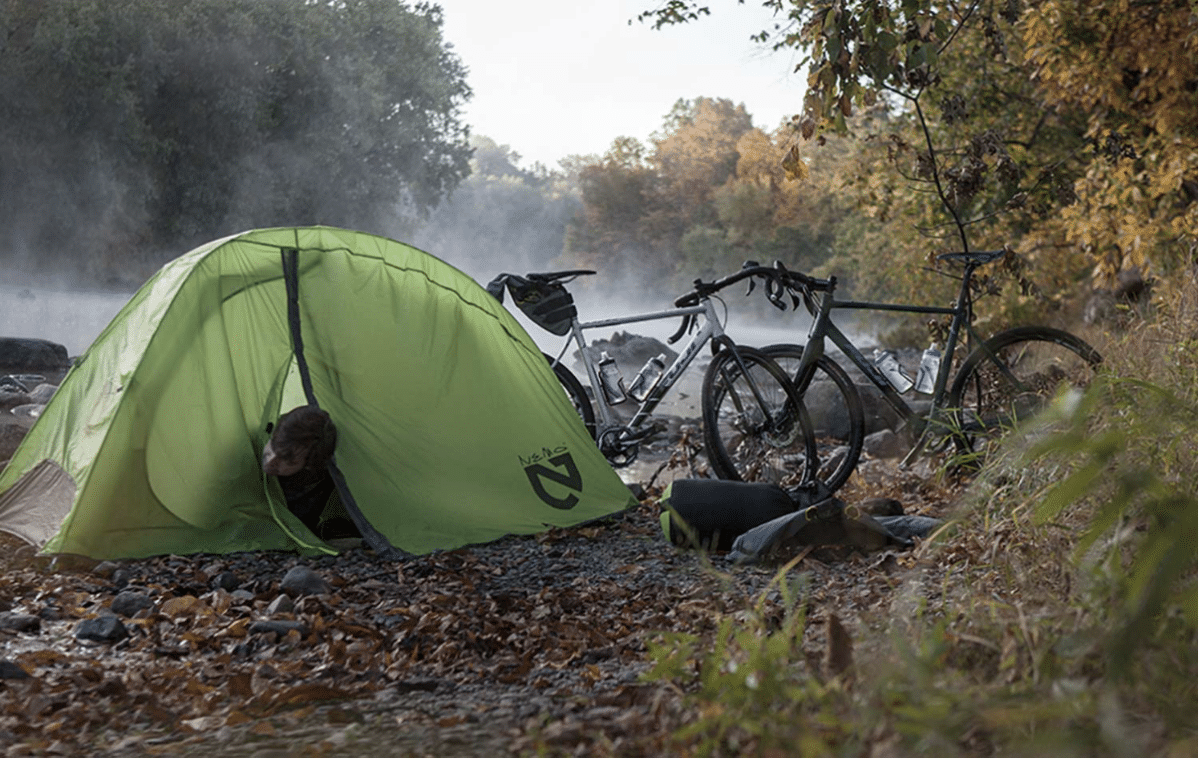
(553, 78)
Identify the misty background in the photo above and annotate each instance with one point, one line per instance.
(132, 131)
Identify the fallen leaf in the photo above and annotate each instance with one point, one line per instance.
(312, 692)
(262, 728)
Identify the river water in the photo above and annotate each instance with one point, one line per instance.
(72, 317)
(75, 316)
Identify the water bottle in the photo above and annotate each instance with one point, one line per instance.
(889, 365)
(927, 374)
(610, 379)
(648, 377)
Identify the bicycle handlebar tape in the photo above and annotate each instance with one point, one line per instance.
(710, 514)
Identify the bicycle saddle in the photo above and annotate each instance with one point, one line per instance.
(972, 257)
(552, 276)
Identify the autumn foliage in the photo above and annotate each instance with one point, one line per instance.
(1064, 129)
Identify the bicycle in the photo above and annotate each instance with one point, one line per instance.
(1004, 379)
(755, 425)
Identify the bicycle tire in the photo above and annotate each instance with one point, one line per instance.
(835, 409)
(740, 446)
(986, 400)
(575, 394)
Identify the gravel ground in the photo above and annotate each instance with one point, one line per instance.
(526, 645)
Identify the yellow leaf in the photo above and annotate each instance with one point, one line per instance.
(180, 605)
(237, 629)
(793, 166)
(263, 728)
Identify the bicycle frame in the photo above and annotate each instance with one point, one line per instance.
(824, 327)
(710, 330)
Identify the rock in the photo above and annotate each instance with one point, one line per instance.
(32, 355)
(302, 581)
(105, 629)
(20, 622)
(1132, 287)
(42, 393)
(225, 580)
(11, 670)
(885, 445)
(22, 383)
(130, 602)
(282, 604)
(1131, 290)
(106, 569)
(1101, 306)
(11, 396)
(27, 413)
(281, 627)
(880, 506)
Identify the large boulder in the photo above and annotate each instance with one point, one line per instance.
(631, 351)
(32, 355)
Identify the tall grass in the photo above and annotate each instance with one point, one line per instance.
(1058, 617)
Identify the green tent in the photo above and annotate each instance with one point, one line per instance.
(451, 426)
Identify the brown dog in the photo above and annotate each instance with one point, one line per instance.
(298, 453)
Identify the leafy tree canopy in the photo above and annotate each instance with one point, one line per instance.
(140, 127)
(1066, 128)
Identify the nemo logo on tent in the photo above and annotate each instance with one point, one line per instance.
(538, 474)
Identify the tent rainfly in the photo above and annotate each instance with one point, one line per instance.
(452, 429)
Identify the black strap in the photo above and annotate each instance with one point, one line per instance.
(291, 279)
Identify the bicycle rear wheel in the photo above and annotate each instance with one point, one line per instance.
(576, 393)
(834, 407)
(755, 425)
(1011, 377)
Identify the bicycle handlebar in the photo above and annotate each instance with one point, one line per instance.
(779, 280)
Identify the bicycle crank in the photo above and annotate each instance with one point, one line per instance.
(619, 451)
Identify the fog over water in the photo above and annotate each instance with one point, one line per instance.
(68, 316)
(74, 317)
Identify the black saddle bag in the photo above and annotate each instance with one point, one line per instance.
(549, 304)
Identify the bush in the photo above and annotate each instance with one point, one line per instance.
(1058, 617)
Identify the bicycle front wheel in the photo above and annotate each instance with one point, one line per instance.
(834, 407)
(575, 393)
(1011, 377)
(755, 425)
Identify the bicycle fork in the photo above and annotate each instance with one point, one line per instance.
(775, 426)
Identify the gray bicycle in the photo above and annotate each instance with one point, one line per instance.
(1004, 379)
(755, 425)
